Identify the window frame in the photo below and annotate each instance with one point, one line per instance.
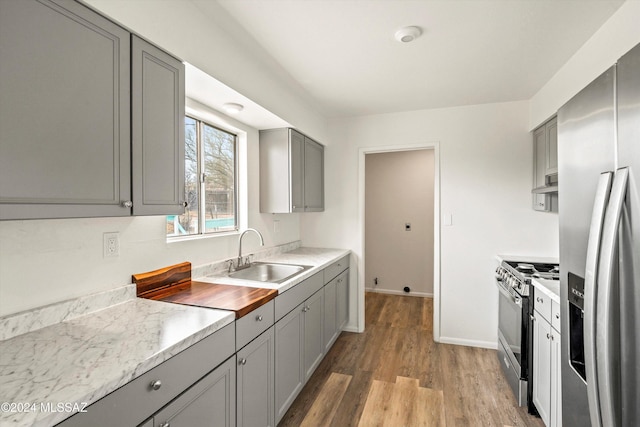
(201, 180)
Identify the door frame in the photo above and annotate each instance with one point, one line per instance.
(362, 152)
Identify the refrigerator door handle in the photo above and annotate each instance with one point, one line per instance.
(593, 252)
(605, 336)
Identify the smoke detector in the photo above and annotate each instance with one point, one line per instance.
(408, 34)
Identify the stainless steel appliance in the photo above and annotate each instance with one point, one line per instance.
(599, 209)
(513, 279)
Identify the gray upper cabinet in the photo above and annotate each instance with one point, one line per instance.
(157, 129)
(72, 87)
(291, 172)
(545, 165)
(64, 112)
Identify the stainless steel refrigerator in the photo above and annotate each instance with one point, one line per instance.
(599, 208)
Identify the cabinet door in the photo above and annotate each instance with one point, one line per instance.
(540, 201)
(64, 112)
(211, 402)
(313, 176)
(330, 314)
(556, 380)
(313, 326)
(342, 296)
(551, 147)
(289, 359)
(157, 103)
(542, 366)
(255, 382)
(296, 164)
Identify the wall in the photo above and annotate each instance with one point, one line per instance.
(616, 37)
(399, 190)
(485, 184)
(45, 261)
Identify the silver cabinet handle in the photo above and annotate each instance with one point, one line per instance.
(242, 361)
(259, 318)
(305, 309)
(155, 385)
(184, 204)
(553, 338)
(126, 203)
(165, 424)
(540, 300)
(548, 336)
(557, 315)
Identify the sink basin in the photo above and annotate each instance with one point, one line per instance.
(269, 272)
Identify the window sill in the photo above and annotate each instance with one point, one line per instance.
(177, 239)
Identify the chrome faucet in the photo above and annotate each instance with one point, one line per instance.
(246, 263)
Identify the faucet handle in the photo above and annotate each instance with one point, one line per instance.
(230, 265)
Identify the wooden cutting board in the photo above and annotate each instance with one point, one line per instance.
(174, 284)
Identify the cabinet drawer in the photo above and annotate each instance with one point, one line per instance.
(253, 324)
(336, 268)
(555, 315)
(135, 401)
(542, 304)
(288, 300)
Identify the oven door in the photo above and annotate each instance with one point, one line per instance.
(510, 325)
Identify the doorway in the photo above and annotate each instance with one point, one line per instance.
(399, 212)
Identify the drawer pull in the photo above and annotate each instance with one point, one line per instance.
(506, 362)
(242, 361)
(540, 300)
(548, 336)
(155, 385)
(259, 318)
(557, 315)
(305, 309)
(165, 424)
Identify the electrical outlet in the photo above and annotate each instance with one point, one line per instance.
(111, 243)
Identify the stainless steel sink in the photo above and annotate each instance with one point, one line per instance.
(269, 272)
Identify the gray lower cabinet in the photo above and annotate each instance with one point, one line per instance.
(313, 326)
(211, 402)
(290, 370)
(255, 382)
(74, 93)
(336, 305)
(342, 302)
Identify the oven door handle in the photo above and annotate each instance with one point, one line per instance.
(516, 300)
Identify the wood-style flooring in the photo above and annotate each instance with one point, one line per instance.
(393, 374)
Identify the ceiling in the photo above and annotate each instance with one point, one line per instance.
(343, 54)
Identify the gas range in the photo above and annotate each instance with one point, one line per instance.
(517, 275)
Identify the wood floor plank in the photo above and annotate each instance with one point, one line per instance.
(326, 404)
(395, 361)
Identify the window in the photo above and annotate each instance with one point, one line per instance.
(210, 181)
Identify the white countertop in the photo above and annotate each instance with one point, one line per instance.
(84, 359)
(549, 287)
(317, 258)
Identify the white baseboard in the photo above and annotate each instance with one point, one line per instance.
(469, 343)
(394, 292)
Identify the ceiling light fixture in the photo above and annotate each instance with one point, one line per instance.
(408, 34)
(233, 108)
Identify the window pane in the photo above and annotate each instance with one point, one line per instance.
(219, 168)
(187, 223)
